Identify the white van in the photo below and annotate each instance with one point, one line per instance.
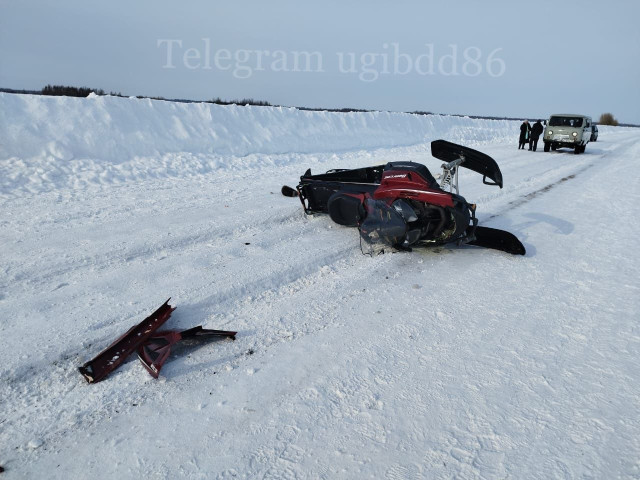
(567, 130)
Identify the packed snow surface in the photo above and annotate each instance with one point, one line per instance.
(448, 362)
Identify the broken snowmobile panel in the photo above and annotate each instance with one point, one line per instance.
(156, 350)
(401, 205)
(113, 356)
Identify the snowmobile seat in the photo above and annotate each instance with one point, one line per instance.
(418, 168)
(345, 209)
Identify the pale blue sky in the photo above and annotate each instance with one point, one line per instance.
(548, 56)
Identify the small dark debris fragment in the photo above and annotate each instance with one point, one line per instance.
(247, 243)
(1, 469)
(250, 351)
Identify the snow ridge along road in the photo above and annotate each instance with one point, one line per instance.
(440, 363)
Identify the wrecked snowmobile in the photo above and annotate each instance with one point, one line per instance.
(401, 205)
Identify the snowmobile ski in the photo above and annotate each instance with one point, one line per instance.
(288, 191)
(116, 353)
(497, 240)
(156, 350)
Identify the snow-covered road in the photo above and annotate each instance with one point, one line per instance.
(451, 362)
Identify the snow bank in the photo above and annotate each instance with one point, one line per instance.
(113, 128)
(49, 142)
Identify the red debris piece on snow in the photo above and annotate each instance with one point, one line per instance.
(116, 353)
(155, 351)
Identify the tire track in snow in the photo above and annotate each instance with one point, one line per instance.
(526, 198)
(557, 176)
(184, 244)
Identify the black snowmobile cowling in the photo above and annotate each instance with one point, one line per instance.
(401, 205)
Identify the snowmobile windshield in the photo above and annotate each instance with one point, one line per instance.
(565, 122)
(387, 226)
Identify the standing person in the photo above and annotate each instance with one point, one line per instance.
(536, 131)
(525, 130)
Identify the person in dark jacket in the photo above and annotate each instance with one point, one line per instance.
(536, 131)
(525, 131)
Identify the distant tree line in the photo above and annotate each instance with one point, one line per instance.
(335, 110)
(244, 101)
(66, 91)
